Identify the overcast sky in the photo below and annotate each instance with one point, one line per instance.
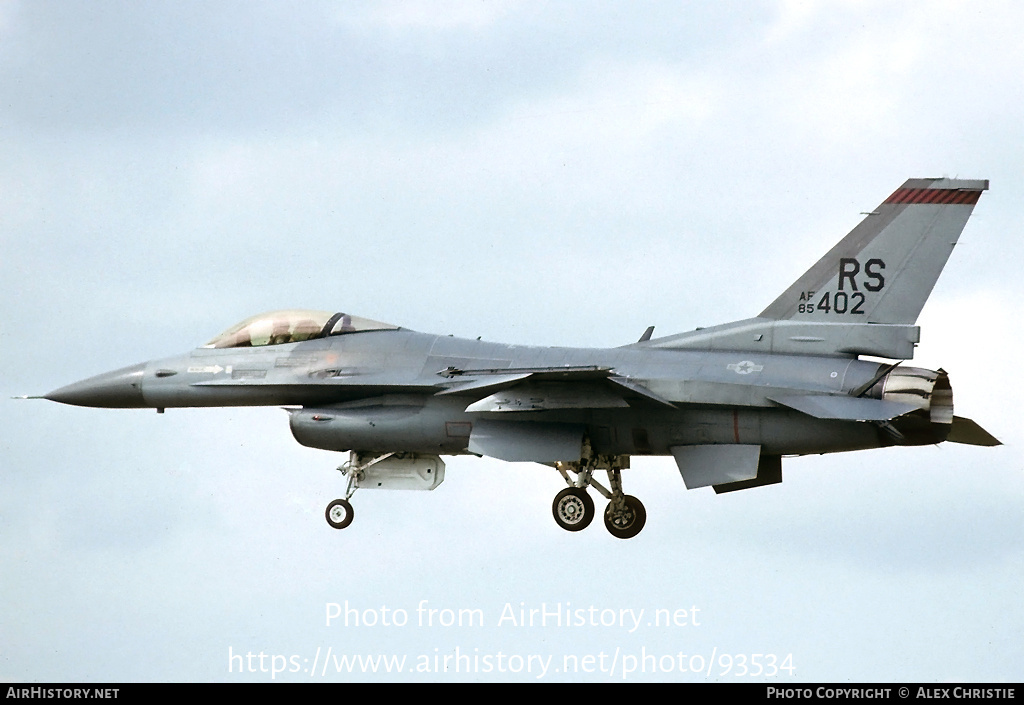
(550, 173)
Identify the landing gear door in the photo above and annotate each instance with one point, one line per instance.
(402, 471)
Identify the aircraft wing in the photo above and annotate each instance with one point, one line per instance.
(545, 396)
(484, 383)
(496, 391)
(548, 388)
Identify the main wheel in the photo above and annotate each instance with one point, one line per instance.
(628, 522)
(340, 513)
(573, 509)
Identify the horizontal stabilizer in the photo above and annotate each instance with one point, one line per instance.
(845, 408)
(706, 465)
(527, 441)
(969, 433)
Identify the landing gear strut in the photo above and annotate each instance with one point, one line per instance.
(340, 512)
(573, 508)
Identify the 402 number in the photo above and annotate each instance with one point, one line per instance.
(839, 302)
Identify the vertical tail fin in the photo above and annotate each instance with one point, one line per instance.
(885, 269)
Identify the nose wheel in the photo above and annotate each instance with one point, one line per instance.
(340, 513)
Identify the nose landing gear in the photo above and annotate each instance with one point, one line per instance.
(340, 512)
(388, 471)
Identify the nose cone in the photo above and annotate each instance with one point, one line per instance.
(121, 389)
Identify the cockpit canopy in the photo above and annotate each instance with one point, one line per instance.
(292, 326)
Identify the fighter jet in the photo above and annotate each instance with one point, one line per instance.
(820, 370)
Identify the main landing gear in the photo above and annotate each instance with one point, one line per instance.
(573, 508)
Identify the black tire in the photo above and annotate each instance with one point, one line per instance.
(630, 522)
(573, 509)
(340, 513)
